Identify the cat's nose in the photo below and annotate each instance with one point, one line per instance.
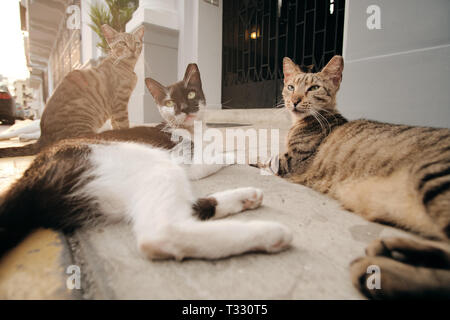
(296, 102)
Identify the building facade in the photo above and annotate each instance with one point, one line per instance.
(57, 40)
(396, 61)
(23, 94)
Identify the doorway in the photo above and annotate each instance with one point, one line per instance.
(258, 34)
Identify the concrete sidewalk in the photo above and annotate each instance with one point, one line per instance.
(326, 239)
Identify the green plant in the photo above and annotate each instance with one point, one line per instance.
(116, 14)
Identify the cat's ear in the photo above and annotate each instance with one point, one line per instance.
(333, 70)
(192, 75)
(108, 32)
(139, 32)
(289, 69)
(158, 91)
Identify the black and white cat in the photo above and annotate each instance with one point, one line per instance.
(131, 175)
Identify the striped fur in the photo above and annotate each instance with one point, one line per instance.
(86, 99)
(393, 174)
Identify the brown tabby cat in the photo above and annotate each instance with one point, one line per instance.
(393, 174)
(86, 99)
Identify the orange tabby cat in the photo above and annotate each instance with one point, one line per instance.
(86, 99)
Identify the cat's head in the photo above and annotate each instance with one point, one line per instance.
(304, 93)
(124, 45)
(180, 103)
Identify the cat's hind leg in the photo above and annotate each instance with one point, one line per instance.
(214, 239)
(175, 231)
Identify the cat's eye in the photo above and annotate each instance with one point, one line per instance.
(313, 88)
(170, 104)
(138, 44)
(290, 87)
(191, 95)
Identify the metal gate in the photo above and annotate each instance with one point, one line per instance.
(257, 34)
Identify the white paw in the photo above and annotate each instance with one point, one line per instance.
(275, 237)
(246, 198)
(237, 200)
(251, 198)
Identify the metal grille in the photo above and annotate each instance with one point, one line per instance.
(257, 34)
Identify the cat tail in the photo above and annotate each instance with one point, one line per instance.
(15, 222)
(27, 150)
(48, 195)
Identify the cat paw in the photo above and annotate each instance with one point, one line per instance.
(276, 237)
(377, 248)
(251, 198)
(237, 200)
(359, 276)
(270, 166)
(384, 278)
(410, 251)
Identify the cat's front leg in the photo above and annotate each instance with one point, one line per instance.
(224, 203)
(284, 167)
(119, 116)
(275, 165)
(119, 119)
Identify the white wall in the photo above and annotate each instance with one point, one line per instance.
(210, 52)
(178, 32)
(159, 57)
(201, 42)
(89, 49)
(400, 73)
(188, 36)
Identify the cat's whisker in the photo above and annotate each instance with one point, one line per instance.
(314, 114)
(277, 103)
(327, 111)
(325, 121)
